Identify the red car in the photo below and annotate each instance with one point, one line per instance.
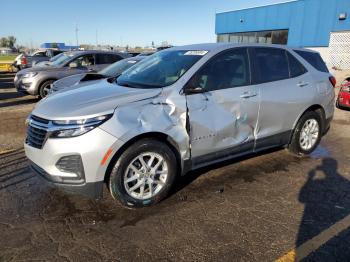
(343, 100)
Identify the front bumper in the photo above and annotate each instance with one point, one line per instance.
(92, 190)
(343, 99)
(25, 86)
(91, 147)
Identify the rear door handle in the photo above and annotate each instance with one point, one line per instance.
(302, 84)
(247, 95)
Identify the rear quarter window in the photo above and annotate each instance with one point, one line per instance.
(313, 59)
(270, 64)
(295, 67)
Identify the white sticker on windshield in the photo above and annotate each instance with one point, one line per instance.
(196, 52)
(132, 61)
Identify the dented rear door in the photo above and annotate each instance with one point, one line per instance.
(223, 118)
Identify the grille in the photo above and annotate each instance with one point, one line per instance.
(36, 132)
(40, 120)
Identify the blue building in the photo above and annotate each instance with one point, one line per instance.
(323, 25)
(60, 46)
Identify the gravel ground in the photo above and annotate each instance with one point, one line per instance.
(256, 208)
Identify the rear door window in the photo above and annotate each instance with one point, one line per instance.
(295, 67)
(107, 58)
(85, 60)
(40, 54)
(269, 64)
(226, 70)
(313, 59)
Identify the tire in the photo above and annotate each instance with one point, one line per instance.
(44, 88)
(298, 142)
(122, 190)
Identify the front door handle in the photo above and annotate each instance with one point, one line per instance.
(302, 84)
(247, 95)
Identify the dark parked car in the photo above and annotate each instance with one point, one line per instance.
(37, 80)
(112, 70)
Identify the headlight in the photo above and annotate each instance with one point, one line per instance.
(31, 74)
(72, 128)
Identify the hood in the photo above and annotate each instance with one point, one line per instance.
(93, 100)
(68, 81)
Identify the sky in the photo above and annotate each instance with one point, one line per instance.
(133, 23)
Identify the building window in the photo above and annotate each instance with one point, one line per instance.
(267, 37)
(223, 38)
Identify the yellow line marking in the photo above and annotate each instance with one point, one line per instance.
(289, 257)
(6, 151)
(313, 244)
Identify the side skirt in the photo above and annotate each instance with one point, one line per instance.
(239, 151)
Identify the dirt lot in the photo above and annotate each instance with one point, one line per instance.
(261, 208)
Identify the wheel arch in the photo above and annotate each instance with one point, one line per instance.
(161, 137)
(42, 81)
(316, 108)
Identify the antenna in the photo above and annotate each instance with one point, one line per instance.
(76, 34)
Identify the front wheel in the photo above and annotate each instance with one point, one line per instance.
(143, 174)
(307, 134)
(45, 88)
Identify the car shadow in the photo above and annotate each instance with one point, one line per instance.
(19, 102)
(187, 179)
(14, 169)
(325, 196)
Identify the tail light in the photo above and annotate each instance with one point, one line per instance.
(23, 60)
(333, 80)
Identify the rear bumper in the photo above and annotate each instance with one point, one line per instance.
(92, 190)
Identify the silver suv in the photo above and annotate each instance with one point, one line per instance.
(37, 80)
(175, 111)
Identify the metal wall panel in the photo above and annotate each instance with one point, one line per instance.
(309, 21)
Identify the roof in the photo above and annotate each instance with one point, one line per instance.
(259, 6)
(220, 46)
(83, 52)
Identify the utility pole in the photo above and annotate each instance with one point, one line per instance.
(96, 38)
(76, 34)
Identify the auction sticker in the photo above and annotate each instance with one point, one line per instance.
(196, 52)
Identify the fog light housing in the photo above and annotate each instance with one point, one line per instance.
(72, 164)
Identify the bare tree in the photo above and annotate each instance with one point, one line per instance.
(11, 41)
(3, 42)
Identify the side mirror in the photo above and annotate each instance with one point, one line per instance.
(188, 90)
(73, 65)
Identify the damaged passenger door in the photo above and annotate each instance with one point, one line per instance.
(222, 107)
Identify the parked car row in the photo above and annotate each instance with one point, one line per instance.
(37, 80)
(180, 109)
(25, 61)
(111, 71)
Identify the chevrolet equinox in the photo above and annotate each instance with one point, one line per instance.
(178, 110)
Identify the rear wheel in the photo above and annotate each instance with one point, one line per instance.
(307, 134)
(45, 88)
(143, 174)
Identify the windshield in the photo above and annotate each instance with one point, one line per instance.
(62, 60)
(161, 69)
(119, 67)
(56, 57)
